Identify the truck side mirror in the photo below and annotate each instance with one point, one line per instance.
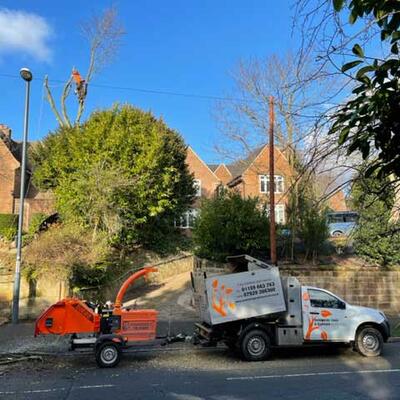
(342, 305)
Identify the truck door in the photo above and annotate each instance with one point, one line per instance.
(324, 316)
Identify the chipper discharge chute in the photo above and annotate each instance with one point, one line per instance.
(108, 330)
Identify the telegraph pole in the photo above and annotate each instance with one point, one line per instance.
(272, 232)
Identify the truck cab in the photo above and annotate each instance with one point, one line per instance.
(264, 310)
(327, 317)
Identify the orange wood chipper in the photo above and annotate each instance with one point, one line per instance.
(109, 330)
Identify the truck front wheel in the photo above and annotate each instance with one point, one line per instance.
(369, 342)
(256, 345)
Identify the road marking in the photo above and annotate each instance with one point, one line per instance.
(60, 389)
(249, 378)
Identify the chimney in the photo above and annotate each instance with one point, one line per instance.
(5, 132)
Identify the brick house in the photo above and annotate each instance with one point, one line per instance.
(250, 177)
(10, 180)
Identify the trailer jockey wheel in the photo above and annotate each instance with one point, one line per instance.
(108, 354)
(256, 345)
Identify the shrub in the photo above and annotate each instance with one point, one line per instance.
(230, 225)
(36, 221)
(68, 252)
(377, 235)
(8, 226)
(313, 230)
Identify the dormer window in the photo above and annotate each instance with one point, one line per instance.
(264, 184)
(197, 187)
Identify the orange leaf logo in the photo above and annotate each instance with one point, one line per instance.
(324, 335)
(326, 313)
(220, 298)
(306, 296)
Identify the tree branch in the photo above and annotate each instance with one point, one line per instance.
(51, 102)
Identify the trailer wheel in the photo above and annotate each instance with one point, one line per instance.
(108, 354)
(256, 345)
(369, 342)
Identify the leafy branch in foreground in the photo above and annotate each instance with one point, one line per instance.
(370, 121)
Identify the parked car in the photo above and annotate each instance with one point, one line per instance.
(342, 223)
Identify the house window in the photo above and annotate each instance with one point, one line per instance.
(197, 187)
(264, 184)
(280, 217)
(280, 214)
(186, 221)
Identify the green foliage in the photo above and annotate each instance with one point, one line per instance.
(36, 221)
(230, 225)
(8, 226)
(377, 236)
(370, 120)
(122, 172)
(313, 230)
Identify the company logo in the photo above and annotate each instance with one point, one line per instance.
(221, 302)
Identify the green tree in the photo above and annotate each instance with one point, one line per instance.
(377, 236)
(230, 225)
(123, 171)
(370, 121)
(313, 228)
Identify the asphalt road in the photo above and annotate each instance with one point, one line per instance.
(216, 374)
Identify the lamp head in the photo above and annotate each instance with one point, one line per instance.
(26, 74)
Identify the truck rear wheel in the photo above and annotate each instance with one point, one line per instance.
(256, 345)
(369, 342)
(108, 354)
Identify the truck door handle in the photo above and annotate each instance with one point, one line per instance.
(314, 313)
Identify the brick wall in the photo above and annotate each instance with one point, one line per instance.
(223, 174)
(209, 182)
(34, 296)
(365, 286)
(260, 166)
(8, 166)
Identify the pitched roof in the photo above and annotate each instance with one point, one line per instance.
(238, 167)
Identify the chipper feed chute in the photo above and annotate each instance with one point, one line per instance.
(66, 317)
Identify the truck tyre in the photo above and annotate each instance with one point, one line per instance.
(369, 341)
(108, 354)
(256, 345)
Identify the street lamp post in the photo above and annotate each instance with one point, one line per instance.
(26, 75)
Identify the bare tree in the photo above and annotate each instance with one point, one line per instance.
(103, 34)
(302, 95)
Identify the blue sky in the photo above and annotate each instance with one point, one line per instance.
(177, 46)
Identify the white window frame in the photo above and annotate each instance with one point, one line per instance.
(197, 186)
(264, 180)
(280, 216)
(185, 221)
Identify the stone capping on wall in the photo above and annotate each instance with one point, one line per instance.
(369, 286)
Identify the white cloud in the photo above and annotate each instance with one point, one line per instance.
(23, 32)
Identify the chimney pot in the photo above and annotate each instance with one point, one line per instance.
(5, 131)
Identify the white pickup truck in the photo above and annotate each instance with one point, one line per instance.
(253, 310)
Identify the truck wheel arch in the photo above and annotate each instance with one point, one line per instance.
(375, 325)
(245, 328)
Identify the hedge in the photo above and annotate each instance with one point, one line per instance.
(8, 225)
